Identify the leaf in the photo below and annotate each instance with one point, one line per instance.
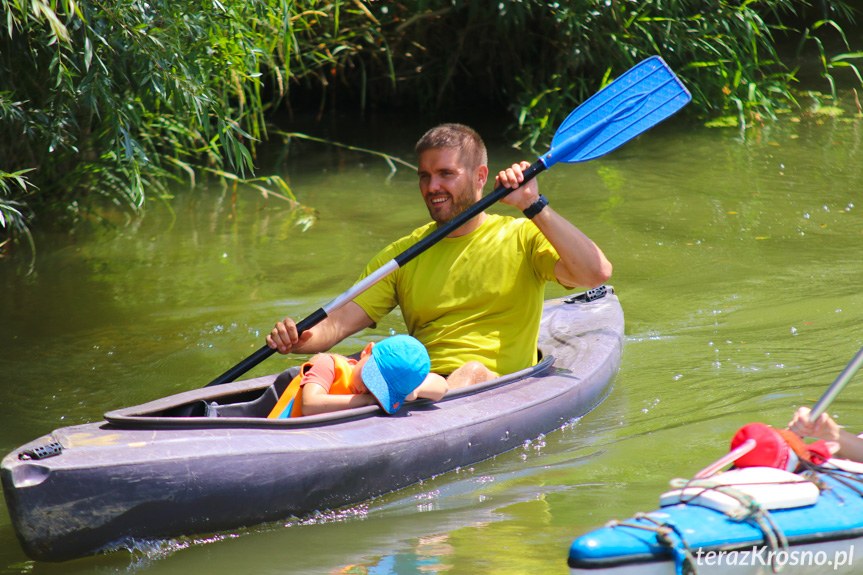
(88, 53)
(848, 56)
(723, 122)
(306, 222)
(829, 111)
(127, 144)
(57, 27)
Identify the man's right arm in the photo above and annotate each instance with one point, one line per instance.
(345, 321)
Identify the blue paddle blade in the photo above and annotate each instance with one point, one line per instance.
(642, 97)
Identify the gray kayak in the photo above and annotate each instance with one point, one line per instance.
(209, 460)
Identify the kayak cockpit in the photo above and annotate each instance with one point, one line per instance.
(247, 404)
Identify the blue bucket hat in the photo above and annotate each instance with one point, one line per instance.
(396, 367)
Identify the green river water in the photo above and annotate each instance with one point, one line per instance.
(737, 260)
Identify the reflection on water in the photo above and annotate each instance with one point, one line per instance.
(423, 555)
(737, 261)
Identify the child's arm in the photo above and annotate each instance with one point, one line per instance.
(316, 396)
(433, 387)
(316, 400)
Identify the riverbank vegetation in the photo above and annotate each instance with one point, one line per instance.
(114, 101)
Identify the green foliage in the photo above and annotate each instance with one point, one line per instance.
(114, 100)
(830, 64)
(541, 59)
(13, 213)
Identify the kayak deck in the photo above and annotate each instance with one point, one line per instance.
(664, 540)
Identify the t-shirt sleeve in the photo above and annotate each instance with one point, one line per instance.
(323, 372)
(543, 255)
(380, 299)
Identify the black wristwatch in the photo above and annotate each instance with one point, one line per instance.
(535, 207)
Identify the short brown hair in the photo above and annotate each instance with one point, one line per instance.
(459, 137)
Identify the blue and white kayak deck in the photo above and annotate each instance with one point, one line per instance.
(763, 520)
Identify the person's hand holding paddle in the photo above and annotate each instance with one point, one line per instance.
(841, 443)
(522, 197)
(822, 428)
(284, 337)
(289, 337)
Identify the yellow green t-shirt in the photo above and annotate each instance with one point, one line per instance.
(475, 297)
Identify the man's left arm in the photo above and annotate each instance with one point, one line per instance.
(581, 262)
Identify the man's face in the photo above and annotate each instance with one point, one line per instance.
(447, 186)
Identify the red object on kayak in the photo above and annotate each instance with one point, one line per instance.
(771, 450)
(779, 448)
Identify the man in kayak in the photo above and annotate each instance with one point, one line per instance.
(474, 299)
(841, 443)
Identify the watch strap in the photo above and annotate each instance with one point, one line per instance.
(535, 207)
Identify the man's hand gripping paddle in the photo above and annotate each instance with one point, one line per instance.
(645, 95)
(760, 444)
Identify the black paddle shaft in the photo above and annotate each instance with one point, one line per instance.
(483, 204)
(322, 313)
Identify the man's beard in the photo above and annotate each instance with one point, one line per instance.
(460, 203)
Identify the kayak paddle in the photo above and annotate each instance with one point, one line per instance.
(643, 96)
(822, 404)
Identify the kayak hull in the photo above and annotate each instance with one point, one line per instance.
(198, 462)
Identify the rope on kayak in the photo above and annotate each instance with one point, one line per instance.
(773, 536)
(846, 478)
(750, 511)
(684, 561)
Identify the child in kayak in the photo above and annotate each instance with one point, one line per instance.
(841, 443)
(388, 373)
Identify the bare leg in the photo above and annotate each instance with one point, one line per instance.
(470, 373)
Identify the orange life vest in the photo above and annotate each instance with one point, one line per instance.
(290, 403)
